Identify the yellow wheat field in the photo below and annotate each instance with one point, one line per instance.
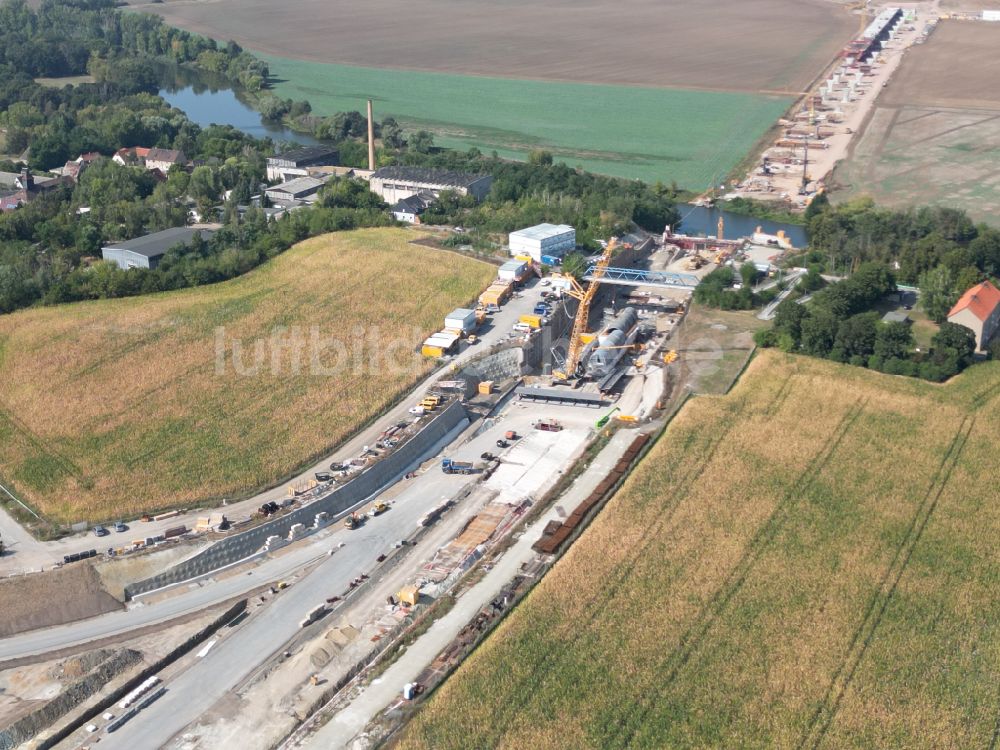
(117, 407)
(810, 561)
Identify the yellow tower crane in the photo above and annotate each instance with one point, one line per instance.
(585, 296)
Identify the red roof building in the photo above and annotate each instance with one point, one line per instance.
(978, 310)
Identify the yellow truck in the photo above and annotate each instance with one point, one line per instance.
(535, 321)
(496, 294)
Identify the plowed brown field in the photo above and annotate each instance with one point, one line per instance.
(743, 45)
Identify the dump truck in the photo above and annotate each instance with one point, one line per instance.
(352, 521)
(448, 466)
(377, 509)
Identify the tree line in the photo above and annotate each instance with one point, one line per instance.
(839, 324)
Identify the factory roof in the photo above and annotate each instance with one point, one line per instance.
(156, 244)
(425, 176)
(306, 153)
(298, 185)
(542, 231)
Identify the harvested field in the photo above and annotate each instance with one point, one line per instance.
(114, 408)
(41, 600)
(743, 45)
(934, 136)
(691, 137)
(809, 561)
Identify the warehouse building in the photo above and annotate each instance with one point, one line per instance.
(544, 243)
(147, 251)
(295, 163)
(396, 183)
(295, 190)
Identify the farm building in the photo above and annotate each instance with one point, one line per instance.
(147, 251)
(295, 190)
(409, 209)
(978, 310)
(396, 183)
(295, 163)
(544, 243)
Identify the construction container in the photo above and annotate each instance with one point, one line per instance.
(535, 321)
(513, 270)
(409, 595)
(439, 344)
(491, 297)
(486, 388)
(462, 320)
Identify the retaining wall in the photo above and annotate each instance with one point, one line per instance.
(245, 544)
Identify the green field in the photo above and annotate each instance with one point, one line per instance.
(808, 562)
(691, 137)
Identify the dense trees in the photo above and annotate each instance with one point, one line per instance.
(839, 324)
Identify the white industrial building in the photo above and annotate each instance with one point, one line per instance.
(544, 243)
(398, 183)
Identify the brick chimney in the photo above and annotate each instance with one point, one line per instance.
(371, 138)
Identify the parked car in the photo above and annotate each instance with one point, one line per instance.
(120, 526)
(100, 531)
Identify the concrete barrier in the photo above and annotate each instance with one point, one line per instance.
(373, 479)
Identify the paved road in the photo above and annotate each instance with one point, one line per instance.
(28, 554)
(233, 658)
(420, 495)
(346, 723)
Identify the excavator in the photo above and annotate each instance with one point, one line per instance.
(585, 297)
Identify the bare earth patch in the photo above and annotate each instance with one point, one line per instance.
(745, 45)
(934, 137)
(41, 600)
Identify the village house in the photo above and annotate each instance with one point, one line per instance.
(979, 311)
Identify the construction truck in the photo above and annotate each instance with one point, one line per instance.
(448, 466)
(353, 521)
(669, 356)
(377, 509)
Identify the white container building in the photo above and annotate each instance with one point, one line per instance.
(461, 319)
(513, 270)
(544, 243)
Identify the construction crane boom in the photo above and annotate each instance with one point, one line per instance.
(585, 296)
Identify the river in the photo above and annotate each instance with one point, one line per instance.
(705, 221)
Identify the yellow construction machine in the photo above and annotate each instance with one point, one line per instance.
(585, 296)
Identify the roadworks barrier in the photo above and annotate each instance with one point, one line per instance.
(241, 546)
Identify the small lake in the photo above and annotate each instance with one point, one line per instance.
(212, 102)
(705, 221)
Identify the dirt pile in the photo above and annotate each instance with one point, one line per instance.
(41, 600)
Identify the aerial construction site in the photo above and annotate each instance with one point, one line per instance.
(321, 611)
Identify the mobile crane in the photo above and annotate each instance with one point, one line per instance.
(585, 296)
